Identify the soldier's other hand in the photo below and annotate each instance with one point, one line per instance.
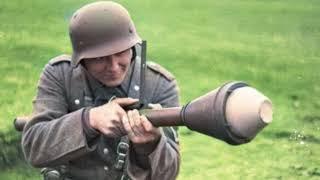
(154, 106)
(141, 132)
(107, 118)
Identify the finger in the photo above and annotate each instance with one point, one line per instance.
(130, 122)
(116, 117)
(125, 101)
(120, 111)
(126, 125)
(146, 124)
(137, 125)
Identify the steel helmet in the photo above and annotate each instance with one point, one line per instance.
(101, 29)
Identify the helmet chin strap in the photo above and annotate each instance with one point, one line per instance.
(134, 53)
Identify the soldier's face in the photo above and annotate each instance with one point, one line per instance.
(110, 70)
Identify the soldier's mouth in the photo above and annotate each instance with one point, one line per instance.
(112, 77)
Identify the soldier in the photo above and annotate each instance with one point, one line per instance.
(79, 127)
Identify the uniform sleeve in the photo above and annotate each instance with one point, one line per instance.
(53, 136)
(164, 161)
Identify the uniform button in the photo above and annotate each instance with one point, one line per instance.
(136, 88)
(105, 151)
(106, 168)
(77, 101)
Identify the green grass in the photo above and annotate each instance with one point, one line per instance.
(272, 45)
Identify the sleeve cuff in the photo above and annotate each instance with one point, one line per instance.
(89, 132)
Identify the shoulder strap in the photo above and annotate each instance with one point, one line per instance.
(61, 58)
(161, 70)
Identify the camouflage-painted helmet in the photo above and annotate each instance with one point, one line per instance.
(101, 29)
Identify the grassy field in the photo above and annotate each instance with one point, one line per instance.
(272, 45)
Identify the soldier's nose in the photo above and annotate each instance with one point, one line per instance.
(114, 65)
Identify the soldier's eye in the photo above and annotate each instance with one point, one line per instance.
(99, 58)
(120, 53)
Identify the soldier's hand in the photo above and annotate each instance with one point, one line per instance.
(140, 131)
(154, 106)
(107, 118)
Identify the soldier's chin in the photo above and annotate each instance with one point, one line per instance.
(112, 82)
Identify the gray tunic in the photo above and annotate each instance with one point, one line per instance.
(55, 134)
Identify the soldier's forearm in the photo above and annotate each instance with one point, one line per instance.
(48, 143)
(165, 160)
(162, 163)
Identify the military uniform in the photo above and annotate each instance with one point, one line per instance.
(56, 135)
